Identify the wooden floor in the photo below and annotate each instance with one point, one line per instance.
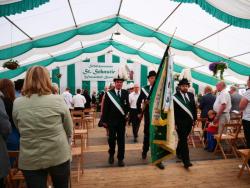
(214, 172)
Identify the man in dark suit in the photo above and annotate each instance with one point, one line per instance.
(115, 109)
(144, 97)
(185, 116)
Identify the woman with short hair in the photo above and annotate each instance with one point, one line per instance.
(45, 125)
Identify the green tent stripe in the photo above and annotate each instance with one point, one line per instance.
(100, 86)
(101, 59)
(71, 78)
(20, 6)
(129, 61)
(196, 88)
(144, 74)
(55, 72)
(215, 12)
(130, 26)
(115, 59)
(86, 85)
(152, 59)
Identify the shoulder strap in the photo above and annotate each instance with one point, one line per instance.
(116, 101)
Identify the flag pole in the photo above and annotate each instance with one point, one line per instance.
(162, 61)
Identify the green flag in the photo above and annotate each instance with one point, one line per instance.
(162, 130)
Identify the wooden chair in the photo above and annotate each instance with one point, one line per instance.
(77, 152)
(90, 116)
(231, 135)
(245, 156)
(79, 133)
(78, 115)
(15, 178)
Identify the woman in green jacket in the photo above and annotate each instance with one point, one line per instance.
(45, 126)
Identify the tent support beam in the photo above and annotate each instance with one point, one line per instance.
(239, 55)
(72, 13)
(119, 9)
(18, 27)
(224, 28)
(163, 22)
(168, 16)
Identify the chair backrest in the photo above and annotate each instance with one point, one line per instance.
(77, 114)
(14, 155)
(231, 129)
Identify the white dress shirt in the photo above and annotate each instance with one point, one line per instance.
(182, 94)
(67, 96)
(133, 97)
(116, 92)
(222, 97)
(246, 112)
(79, 100)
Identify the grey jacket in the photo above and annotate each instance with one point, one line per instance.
(5, 129)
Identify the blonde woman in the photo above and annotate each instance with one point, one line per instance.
(45, 125)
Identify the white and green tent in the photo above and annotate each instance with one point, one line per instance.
(62, 34)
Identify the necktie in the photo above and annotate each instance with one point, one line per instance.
(186, 99)
(119, 93)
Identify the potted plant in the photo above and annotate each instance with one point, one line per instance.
(11, 64)
(216, 67)
(176, 77)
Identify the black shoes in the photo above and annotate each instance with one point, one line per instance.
(111, 160)
(187, 165)
(144, 155)
(121, 163)
(160, 166)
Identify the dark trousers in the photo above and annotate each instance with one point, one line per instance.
(183, 130)
(211, 142)
(146, 132)
(38, 178)
(2, 183)
(117, 133)
(246, 126)
(135, 121)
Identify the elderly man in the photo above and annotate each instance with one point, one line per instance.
(222, 105)
(133, 97)
(235, 98)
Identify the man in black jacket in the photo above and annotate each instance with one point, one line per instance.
(144, 97)
(115, 109)
(185, 116)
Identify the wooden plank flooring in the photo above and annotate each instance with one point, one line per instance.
(204, 174)
(139, 173)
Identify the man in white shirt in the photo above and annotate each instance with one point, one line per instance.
(79, 100)
(222, 105)
(133, 113)
(67, 97)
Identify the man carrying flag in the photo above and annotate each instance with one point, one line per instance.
(143, 109)
(185, 116)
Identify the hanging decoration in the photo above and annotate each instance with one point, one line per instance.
(216, 67)
(176, 77)
(11, 64)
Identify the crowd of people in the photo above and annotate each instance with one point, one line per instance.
(35, 120)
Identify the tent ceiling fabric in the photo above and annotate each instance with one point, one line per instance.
(199, 38)
(11, 7)
(234, 12)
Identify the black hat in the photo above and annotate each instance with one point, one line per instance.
(151, 73)
(184, 81)
(118, 78)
